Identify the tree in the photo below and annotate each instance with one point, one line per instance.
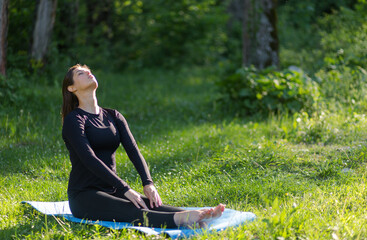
(259, 31)
(3, 34)
(45, 19)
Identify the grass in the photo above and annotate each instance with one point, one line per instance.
(303, 176)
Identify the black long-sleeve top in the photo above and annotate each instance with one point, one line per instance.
(92, 141)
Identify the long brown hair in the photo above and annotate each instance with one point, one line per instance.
(69, 100)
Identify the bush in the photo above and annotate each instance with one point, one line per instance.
(9, 88)
(343, 37)
(19, 91)
(250, 91)
(308, 38)
(343, 84)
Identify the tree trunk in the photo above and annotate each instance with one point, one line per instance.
(45, 19)
(260, 38)
(4, 4)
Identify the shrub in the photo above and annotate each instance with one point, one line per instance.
(250, 91)
(343, 37)
(343, 84)
(309, 39)
(9, 88)
(19, 91)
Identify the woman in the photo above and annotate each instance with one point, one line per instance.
(92, 134)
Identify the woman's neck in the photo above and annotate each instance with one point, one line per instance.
(88, 102)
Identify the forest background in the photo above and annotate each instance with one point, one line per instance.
(285, 139)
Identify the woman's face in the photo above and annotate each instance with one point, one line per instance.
(83, 80)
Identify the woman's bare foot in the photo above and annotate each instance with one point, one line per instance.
(198, 218)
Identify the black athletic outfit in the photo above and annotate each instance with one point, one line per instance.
(95, 191)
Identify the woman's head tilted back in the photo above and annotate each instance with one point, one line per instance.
(69, 99)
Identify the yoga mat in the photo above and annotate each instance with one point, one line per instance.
(230, 218)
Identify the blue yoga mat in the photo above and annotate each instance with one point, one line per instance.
(230, 218)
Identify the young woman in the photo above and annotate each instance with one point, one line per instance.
(92, 135)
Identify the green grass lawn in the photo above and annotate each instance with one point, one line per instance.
(303, 177)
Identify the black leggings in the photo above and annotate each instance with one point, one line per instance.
(99, 205)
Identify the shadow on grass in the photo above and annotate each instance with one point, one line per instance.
(30, 157)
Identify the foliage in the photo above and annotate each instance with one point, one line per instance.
(344, 85)
(170, 33)
(19, 37)
(21, 93)
(331, 48)
(142, 33)
(342, 75)
(122, 34)
(311, 30)
(10, 89)
(343, 37)
(6, 91)
(253, 91)
(119, 34)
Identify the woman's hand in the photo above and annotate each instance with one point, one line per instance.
(152, 194)
(135, 198)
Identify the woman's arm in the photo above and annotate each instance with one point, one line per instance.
(132, 150)
(138, 160)
(74, 135)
